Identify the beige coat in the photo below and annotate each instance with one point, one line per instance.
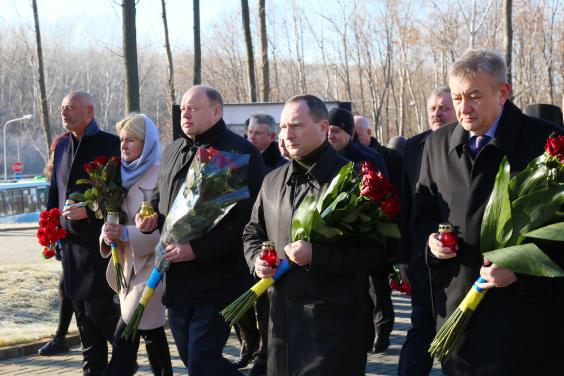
(137, 258)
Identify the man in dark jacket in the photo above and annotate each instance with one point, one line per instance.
(340, 136)
(317, 317)
(414, 357)
(208, 273)
(84, 268)
(517, 326)
(380, 292)
(262, 133)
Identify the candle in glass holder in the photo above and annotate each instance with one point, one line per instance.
(447, 236)
(146, 210)
(268, 253)
(113, 217)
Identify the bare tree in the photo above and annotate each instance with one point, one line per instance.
(132, 102)
(508, 35)
(41, 78)
(471, 25)
(168, 56)
(299, 46)
(249, 47)
(548, 48)
(264, 52)
(197, 44)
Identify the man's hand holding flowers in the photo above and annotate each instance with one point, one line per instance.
(176, 252)
(75, 213)
(495, 276)
(299, 252)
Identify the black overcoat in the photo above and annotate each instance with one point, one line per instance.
(272, 157)
(412, 249)
(515, 329)
(84, 269)
(317, 315)
(219, 274)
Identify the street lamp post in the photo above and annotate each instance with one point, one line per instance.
(25, 117)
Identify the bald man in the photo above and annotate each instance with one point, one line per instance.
(84, 269)
(208, 273)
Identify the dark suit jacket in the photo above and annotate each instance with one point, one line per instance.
(316, 313)
(455, 188)
(393, 160)
(219, 274)
(412, 250)
(84, 269)
(272, 157)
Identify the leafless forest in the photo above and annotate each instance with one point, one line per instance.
(384, 56)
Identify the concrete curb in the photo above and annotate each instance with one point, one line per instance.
(31, 348)
(18, 226)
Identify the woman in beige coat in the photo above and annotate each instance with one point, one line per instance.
(140, 157)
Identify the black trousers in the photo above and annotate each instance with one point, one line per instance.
(381, 294)
(65, 310)
(96, 320)
(263, 314)
(414, 356)
(254, 338)
(124, 354)
(200, 334)
(248, 333)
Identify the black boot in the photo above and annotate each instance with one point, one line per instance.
(381, 343)
(259, 368)
(54, 346)
(244, 360)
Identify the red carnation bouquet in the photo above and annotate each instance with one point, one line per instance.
(398, 284)
(355, 205)
(50, 231)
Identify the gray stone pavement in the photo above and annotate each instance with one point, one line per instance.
(22, 238)
(70, 362)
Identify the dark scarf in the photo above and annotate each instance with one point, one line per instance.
(306, 162)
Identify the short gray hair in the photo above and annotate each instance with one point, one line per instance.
(480, 60)
(364, 121)
(261, 118)
(439, 92)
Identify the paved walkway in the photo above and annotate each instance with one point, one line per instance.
(22, 239)
(70, 363)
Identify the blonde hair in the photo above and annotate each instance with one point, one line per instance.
(134, 125)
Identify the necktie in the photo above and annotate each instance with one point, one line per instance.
(477, 143)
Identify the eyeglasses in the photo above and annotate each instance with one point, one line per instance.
(66, 108)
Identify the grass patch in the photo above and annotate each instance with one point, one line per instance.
(29, 302)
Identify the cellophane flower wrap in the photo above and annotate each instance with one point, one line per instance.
(50, 231)
(216, 181)
(355, 205)
(105, 193)
(521, 211)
